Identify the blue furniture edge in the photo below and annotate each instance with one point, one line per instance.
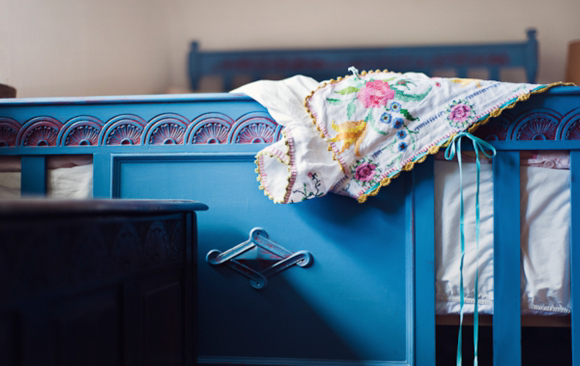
(322, 64)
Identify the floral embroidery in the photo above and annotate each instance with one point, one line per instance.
(395, 106)
(460, 113)
(375, 93)
(366, 172)
(405, 83)
(350, 133)
(386, 118)
(388, 122)
(404, 97)
(398, 123)
(319, 187)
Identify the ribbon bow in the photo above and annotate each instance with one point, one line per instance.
(478, 145)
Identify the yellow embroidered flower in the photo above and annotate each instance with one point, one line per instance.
(350, 133)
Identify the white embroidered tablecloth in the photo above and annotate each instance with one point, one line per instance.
(353, 135)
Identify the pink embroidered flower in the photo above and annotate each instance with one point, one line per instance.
(365, 172)
(459, 113)
(375, 93)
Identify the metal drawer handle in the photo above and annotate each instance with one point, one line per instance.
(259, 238)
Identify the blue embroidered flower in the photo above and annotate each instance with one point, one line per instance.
(401, 134)
(403, 146)
(398, 123)
(386, 118)
(395, 106)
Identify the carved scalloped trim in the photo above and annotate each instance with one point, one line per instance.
(435, 148)
(289, 165)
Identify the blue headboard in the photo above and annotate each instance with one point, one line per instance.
(323, 64)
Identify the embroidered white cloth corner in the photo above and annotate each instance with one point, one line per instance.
(352, 135)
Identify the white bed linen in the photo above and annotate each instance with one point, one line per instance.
(545, 217)
(72, 183)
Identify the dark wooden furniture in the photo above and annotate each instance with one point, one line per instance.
(6, 91)
(103, 282)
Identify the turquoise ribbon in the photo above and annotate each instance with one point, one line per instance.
(478, 145)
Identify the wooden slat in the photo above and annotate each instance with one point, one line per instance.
(33, 178)
(494, 73)
(575, 255)
(507, 296)
(462, 72)
(424, 229)
(102, 187)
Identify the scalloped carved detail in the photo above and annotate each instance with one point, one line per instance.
(41, 136)
(123, 130)
(166, 129)
(177, 238)
(571, 126)
(128, 129)
(81, 131)
(255, 133)
(167, 134)
(211, 133)
(8, 132)
(125, 134)
(254, 128)
(156, 243)
(209, 128)
(573, 132)
(538, 126)
(39, 131)
(83, 136)
(496, 129)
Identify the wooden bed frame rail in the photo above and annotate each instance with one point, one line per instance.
(330, 63)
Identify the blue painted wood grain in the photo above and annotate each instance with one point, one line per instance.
(354, 305)
(102, 186)
(323, 64)
(575, 254)
(507, 272)
(424, 238)
(33, 176)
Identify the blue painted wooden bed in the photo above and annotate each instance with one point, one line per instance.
(368, 298)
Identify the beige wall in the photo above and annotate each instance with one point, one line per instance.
(84, 47)
(88, 47)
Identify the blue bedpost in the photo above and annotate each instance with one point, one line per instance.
(531, 59)
(33, 178)
(102, 176)
(575, 255)
(507, 273)
(424, 233)
(194, 66)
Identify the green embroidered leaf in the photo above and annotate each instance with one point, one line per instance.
(350, 110)
(375, 128)
(334, 101)
(411, 97)
(369, 116)
(408, 115)
(349, 90)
